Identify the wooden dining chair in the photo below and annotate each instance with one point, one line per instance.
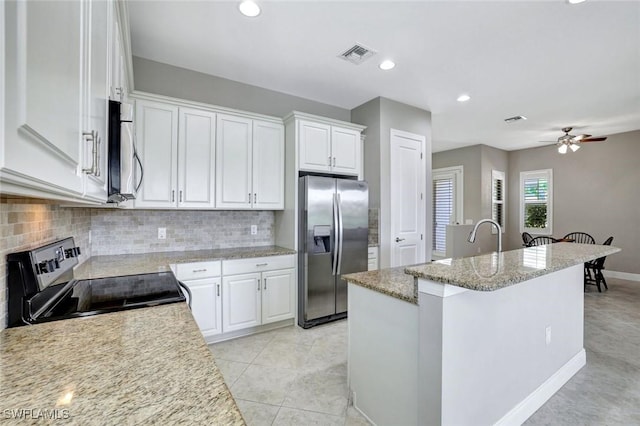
(580, 237)
(540, 241)
(526, 239)
(593, 270)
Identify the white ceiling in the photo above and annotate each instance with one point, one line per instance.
(555, 63)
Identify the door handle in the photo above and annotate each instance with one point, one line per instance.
(398, 239)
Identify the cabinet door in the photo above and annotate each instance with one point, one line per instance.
(233, 162)
(196, 159)
(268, 165)
(278, 295)
(43, 54)
(345, 151)
(206, 304)
(116, 62)
(314, 143)
(96, 93)
(157, 144)
(241, 296)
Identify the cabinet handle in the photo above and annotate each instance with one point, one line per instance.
(258, 285)
(218, 290)
(334, 161)
(173, 195)
(98, 141)
(181, 195)
(255, 197)
(261, 264)
(329, 160)
(200, 270)
(249, 198)
(265, 283)
(92, 137)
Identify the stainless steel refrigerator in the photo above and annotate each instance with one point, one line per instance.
(332, 241)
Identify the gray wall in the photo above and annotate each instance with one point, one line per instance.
(168, 80)
(595, 190)
(478, 161)
(380, 115)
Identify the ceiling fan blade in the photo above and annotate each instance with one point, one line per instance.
(594, 139)
(580, 137)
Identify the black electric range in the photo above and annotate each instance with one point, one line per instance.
(42, 287)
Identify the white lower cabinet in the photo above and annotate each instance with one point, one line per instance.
(238, 294)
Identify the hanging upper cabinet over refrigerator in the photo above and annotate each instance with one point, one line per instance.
(249, 163)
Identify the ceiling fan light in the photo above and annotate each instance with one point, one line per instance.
(562, 149)
(574, 147)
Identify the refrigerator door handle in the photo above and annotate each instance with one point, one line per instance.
(340, 227)
(336, 227)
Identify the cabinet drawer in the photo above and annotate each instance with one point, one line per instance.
(197, 270)
(257, 264)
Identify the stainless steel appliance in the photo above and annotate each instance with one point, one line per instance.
(42, 287)
(332, 240)
(124, 181)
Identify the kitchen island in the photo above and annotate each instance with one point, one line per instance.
(479, 340)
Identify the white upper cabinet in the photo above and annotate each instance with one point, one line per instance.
(249, 163)
(268, 165)
(233, 162)
(177, 148)
(327, 146)
(55, 143)
(315, 146)
(96, 94)
(196, 158)
(345, 151)
(43, 87)
(157, 144)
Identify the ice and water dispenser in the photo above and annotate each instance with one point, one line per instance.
(322, 239)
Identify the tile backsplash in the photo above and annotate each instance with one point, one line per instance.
(136, 231)
(373, 226)
(25, 224)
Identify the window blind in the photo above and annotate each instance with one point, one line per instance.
(443, 205)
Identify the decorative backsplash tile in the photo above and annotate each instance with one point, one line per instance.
(136, 231)
(373, 226)
(25, 224)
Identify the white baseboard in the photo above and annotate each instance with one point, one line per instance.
(521, 412)
(360, 411)
(622, 275)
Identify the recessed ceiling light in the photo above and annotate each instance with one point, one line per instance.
(387, 65)
(249, 8)
(575, 1)
(463, 98)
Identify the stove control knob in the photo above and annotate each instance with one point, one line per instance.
(41, 268)
(77, 249)
(69, 253)
(52, 265)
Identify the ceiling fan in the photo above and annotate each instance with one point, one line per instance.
(567, 141)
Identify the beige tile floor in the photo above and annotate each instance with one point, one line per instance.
(290, 376)
(298, 377)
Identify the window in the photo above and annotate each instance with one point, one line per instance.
(447, 204)
(498, 191)
(536, 197)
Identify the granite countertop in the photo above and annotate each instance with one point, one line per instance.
(129, 264)
(140, 366)
(494, 271)
(392, 282)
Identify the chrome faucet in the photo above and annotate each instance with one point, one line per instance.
(472, 235)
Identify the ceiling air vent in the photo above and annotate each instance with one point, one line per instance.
(516, 118)
(357, 54)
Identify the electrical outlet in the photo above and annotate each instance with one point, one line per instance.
(254, 229)
(547, 335)
(162, 233)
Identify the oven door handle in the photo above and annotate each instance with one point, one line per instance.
(186, 289)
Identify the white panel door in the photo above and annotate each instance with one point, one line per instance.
(345, 151)
(241, 296)
(407, 198)
(278, 295)
(157, 144)
(315, 146)
(196, 159)
(233, 162)
(96, 95)
(268, 165)
(206, 304)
